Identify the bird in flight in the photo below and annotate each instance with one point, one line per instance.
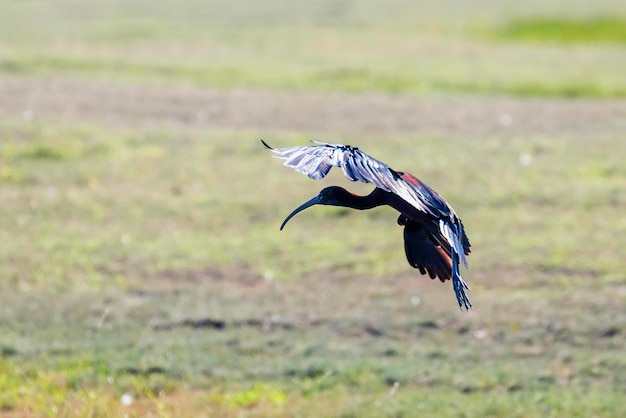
(434, 237)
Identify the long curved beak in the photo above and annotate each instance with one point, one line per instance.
(315, 201)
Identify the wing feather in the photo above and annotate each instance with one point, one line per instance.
(317, 160)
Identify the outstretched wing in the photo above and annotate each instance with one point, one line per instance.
(316, 161)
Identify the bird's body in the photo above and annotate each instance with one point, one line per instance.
(434, 237)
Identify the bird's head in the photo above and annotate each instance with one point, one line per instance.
(328, 196)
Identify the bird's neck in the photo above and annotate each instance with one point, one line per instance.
(376, 198)
(379, 197)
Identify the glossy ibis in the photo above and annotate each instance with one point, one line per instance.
(434, 237)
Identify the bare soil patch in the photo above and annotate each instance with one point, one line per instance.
(153, 107)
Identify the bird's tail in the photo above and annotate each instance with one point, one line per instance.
(454, 234)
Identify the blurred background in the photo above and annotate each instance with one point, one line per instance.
(142, 272)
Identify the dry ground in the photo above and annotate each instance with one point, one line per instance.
(152, 107)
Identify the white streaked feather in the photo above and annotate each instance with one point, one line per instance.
(454, 238)
(316, 161)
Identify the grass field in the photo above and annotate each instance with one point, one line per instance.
(142, 272)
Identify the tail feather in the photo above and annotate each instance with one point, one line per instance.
(454, 233)
(459, 284)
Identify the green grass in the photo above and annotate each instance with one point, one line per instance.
(317, 395)
(101, 183)
(370, 46)
(486, 74)
(559, 30)
(110, 233)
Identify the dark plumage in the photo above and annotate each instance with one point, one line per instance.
(434, 238)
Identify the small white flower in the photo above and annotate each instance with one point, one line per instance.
(525, 159)
(481, 334)
(126, 399)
